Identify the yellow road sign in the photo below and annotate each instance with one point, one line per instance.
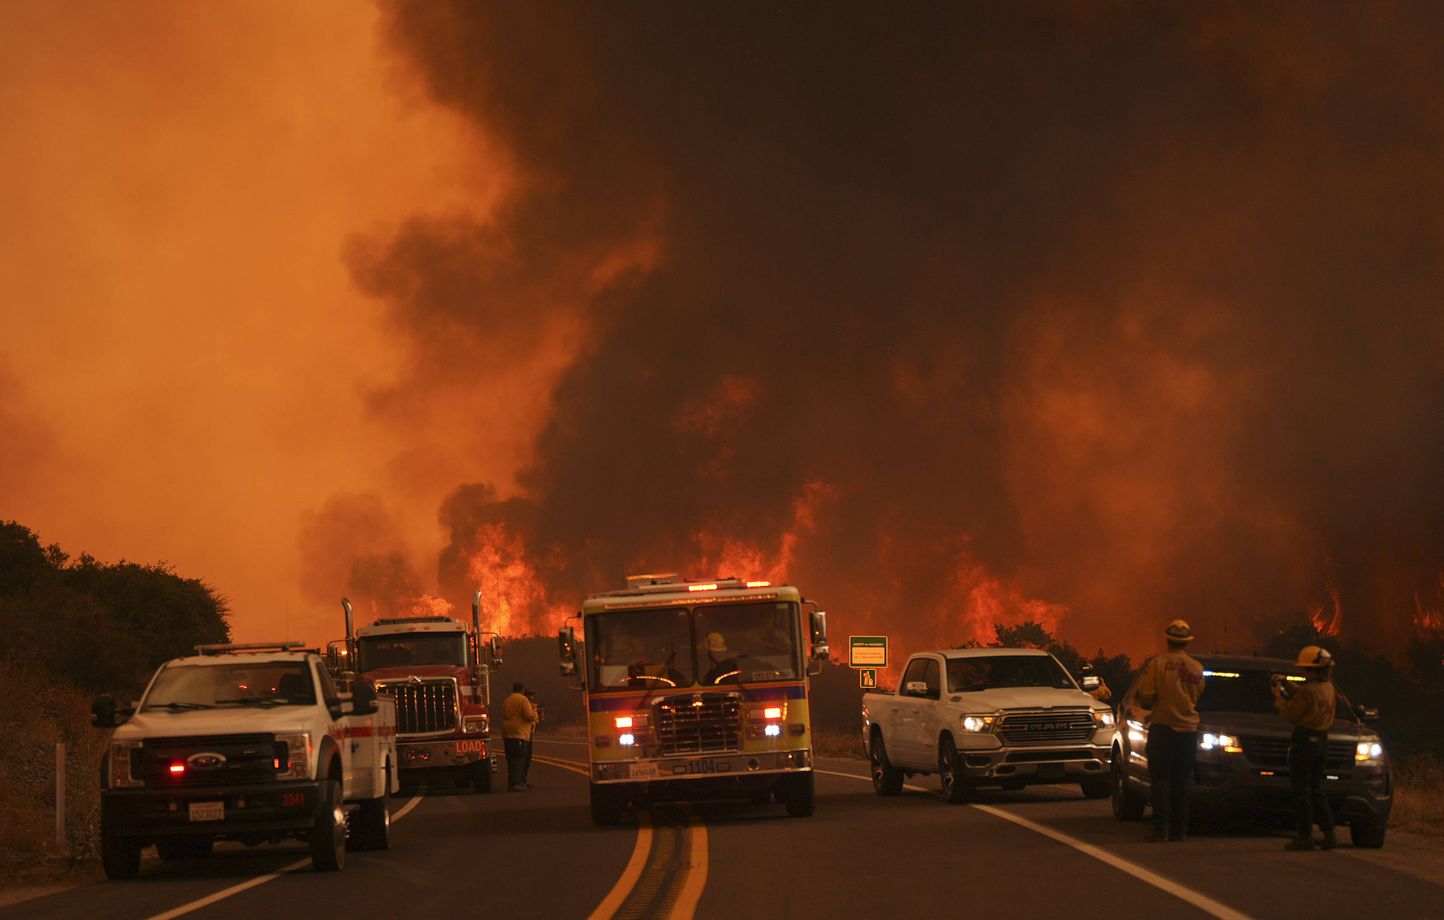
(867, 678)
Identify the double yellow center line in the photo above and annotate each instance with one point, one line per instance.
(667, 872)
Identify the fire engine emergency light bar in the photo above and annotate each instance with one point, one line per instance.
(224, 647)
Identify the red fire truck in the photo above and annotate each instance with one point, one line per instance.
(438, 673)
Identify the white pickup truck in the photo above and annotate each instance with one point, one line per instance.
(250, 743)
(987, 717)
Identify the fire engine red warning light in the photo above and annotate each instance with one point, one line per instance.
(710, 586)
(177, 769)
(759, 584)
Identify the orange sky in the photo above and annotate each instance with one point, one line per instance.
(184, 357)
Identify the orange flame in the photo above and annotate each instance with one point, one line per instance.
(1429, 620)
(729, 557)
(428, 605)
(982, 601)
(1328, 617)
(513, 599)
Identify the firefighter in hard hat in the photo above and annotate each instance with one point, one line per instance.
(1167, 698)
(1310, 707)
(1101, 693)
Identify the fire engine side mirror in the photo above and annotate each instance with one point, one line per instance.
(567, 649)
(818, 623)
(493, 651)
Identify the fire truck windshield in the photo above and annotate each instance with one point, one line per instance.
(403, 650)
(683, 647)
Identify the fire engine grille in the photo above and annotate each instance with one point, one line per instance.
(1067, 726)
(425, 708)
(699, 724)
(215, 760)
(1273, 753)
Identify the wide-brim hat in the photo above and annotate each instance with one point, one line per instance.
(1178, 631)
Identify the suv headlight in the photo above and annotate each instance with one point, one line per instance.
(298, 754)
(1103, 718)
(120, 774)
(978, 723)
(1370, 751)
(475, 724)
(1209, 741)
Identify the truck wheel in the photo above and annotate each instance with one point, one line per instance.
(1128, 805)
(886, 778)
(1096, 788)
(170, 849)
(800, 795)
(1367, 833)
(328, 834)
(481, 776)
(606, 807)
(957, 788)
(371, 829)
(119, 856)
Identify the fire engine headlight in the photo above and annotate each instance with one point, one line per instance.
(298, 754)
(1208, 741)
(475, 724)
(1103, 718)
(978, 723)
(772, 730)
(1368, 752)
(120, 775)
(627, 740)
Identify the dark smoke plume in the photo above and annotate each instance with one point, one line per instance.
(1112, 312)
(353, 546)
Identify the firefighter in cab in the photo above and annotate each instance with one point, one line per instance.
(1310, 707)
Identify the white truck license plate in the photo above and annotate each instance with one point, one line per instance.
(207, 811)
(644, 771)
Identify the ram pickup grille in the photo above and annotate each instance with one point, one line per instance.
(1068, 726)
(699, 724)
(424, 708)
(215, 760)
(1273, 753)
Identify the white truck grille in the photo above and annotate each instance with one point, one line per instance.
(1055, 726)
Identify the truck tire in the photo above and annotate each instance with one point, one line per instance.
(370, 825)
(170, 849)
(481, 776)
(328, 834)
(886, 778)
(1367, 833)
(957, 788)
(801, 795)
(119, 856)
(606, 807)
(1128, 805)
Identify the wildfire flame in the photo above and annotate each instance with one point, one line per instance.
(1429, 620)
(1328, 617)
(513, 598)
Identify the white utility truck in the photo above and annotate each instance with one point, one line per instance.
(250, 743)
(1004, 717)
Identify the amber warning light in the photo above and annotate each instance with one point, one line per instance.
(710, 586)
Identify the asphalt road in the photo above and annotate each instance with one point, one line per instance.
(1043, 852)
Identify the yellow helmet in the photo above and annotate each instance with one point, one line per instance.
(716, 644)
(1178, 631)
(1314, 656)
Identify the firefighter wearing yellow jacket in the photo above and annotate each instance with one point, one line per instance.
(1167, 696)
(1310, 707)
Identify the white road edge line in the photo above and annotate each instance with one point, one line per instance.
(261, 879)
(1197, 898)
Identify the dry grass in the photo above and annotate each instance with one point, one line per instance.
(1419, 796)
(49, 714)
(834, 743)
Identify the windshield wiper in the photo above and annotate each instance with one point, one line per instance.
(255, 701)
(179, 707)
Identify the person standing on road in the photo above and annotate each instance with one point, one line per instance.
(518, 719)
(1310, 707)
(1168, 693)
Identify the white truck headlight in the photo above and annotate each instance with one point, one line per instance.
(1209, 741)
(298, 754)
(1368, 752)
(120, 775)
(473, 725)
(1103, 718)
(977, 724)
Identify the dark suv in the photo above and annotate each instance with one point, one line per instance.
(1243, 744)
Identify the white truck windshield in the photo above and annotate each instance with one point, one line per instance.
(989, 672)
(270, 683)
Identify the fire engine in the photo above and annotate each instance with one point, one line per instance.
(438, 673)
(697, 690)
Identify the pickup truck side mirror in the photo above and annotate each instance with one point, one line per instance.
(567, 650)
(1090, 682)
(363, 698)
(817, 621)
(1367, 713)
(493, 651)
(915, 688)
(103, 712)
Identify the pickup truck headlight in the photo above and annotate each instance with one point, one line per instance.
(1103, 718)
(1368, 752)
(1209, 741)
(298, 754)
(978, 723)
(473, 725)
(120, 775)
